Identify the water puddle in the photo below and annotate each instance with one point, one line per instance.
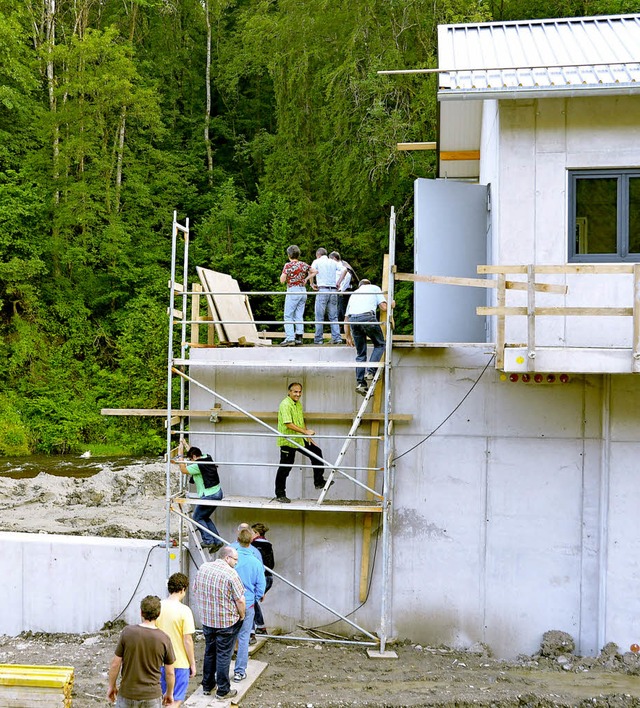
(64, 465)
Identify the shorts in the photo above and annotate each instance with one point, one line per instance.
(181, 686)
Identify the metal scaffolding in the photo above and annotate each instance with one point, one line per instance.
(380, 391)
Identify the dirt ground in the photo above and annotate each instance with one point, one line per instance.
(314, 675)
(300, 674)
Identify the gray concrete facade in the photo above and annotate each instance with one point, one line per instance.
(515, 517)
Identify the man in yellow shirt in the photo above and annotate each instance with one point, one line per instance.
(176, 620)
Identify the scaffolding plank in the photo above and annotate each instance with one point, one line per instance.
(268, 415)
(289, 364)
(235, 502)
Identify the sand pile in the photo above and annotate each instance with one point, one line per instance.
(127, 502)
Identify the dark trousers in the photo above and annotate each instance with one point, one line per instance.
(218, 648)
(343, 301)
(363, 327)
(259, 617)
(286, 463)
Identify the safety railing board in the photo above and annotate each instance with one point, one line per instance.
(289, 364)
(237, 502)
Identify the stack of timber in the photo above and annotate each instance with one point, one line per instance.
(23, 686)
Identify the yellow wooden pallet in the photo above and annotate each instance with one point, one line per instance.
(23, 686)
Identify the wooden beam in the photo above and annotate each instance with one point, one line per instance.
(559, 311)
(451, 155)
(481, 283)
(569, 269)
(417, 146)
(636, 318)
(264, 415)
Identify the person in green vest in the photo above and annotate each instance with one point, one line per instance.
(204, 474)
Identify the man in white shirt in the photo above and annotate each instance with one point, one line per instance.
(323, 275)
(343, 284)
(361, 322)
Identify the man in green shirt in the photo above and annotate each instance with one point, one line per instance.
(291, 421)
(204, 473)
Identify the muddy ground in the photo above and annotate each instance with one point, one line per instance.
(128, 501)
(305, 675)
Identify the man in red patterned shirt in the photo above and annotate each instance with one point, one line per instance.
(219, 593)
(295, 274)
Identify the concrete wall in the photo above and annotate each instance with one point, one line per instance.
(540, 140)
(515, 517)
(55, 583)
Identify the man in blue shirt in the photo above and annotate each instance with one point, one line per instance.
(251, 572)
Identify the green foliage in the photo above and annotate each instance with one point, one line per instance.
(102, 118)
(14, 434)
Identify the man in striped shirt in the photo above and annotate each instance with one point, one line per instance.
(219, 593)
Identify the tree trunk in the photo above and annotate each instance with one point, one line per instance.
(207, 114)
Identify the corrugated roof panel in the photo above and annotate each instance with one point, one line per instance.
(511, 57)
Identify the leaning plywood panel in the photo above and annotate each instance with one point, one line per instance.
(232, 308)
(213, 312)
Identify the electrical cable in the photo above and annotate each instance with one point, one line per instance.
(435, 430)
(146, 563)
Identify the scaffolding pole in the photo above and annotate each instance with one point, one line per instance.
(387, 484)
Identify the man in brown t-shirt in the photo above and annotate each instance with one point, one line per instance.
(142, 649)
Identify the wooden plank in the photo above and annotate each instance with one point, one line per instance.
(213, 313)
(198, 700)
(195, 315)
(559, 311)
(531, 319)
(501, 310)
(232, 308)
(265, 415)
(177, 287)
(176, 314)
(481, 283)
(585, 311)
(235, 502)
(417, 146)
(500, 323)
(450, 155)
(568, 269)
(636, 318)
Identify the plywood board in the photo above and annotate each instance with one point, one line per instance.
(222, 337)
(233, 310)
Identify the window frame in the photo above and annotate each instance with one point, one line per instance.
(622, 254)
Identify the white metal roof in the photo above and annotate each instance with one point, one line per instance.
(574, 56)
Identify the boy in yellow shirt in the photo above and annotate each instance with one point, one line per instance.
(176, 620)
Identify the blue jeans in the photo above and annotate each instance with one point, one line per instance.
(242, 655)
(327, 301)
(362, 326)
(294, 302)
(202, 514)
(218, 648)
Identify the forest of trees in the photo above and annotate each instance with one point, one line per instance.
(263, 121)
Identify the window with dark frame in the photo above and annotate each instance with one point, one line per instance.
(604, 215)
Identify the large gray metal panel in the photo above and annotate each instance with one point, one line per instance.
(450, 239)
